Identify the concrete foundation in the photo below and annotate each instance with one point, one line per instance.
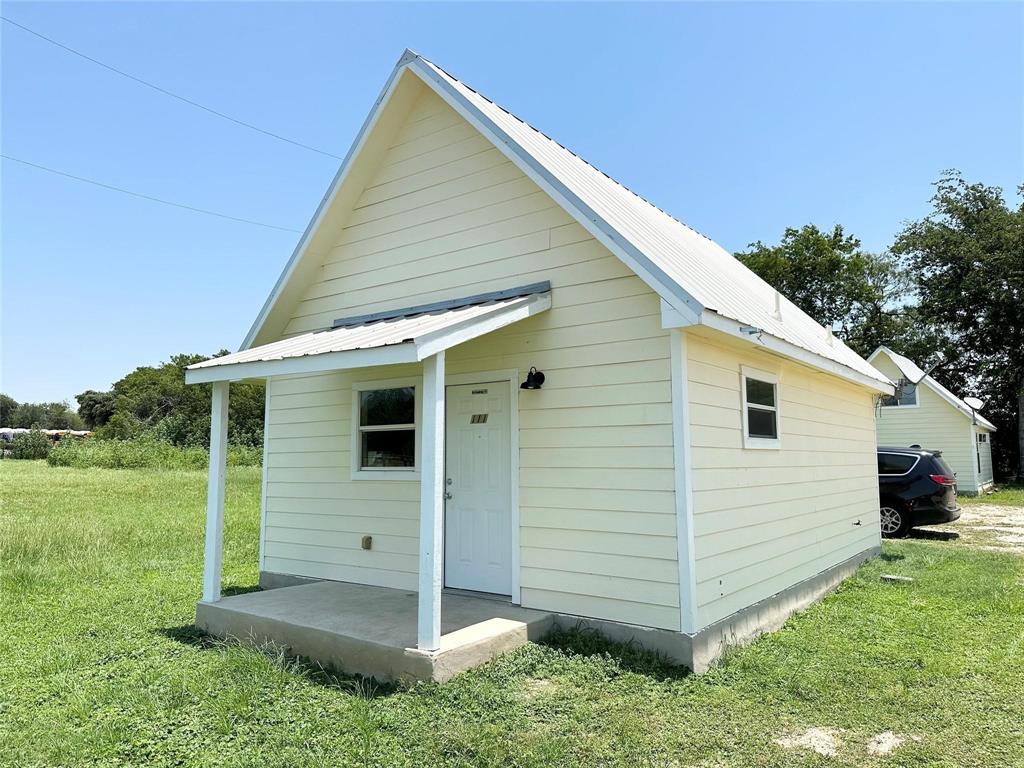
(701, 650)
(372, 630)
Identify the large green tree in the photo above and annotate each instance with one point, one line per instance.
(96, 408)
(831, 278)
(967, 257)
(156, 400)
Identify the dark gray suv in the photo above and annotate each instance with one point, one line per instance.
(915, 487)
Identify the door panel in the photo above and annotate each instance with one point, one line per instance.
(478, 509)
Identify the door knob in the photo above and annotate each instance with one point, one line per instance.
(447, 494)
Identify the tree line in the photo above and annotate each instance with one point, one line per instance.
(950, 290)
(152, 402)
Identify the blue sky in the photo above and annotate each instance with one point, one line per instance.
(740, 119)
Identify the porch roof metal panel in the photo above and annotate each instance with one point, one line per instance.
(696, 265)
(403, 336)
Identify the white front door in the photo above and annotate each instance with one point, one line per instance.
(478, 506)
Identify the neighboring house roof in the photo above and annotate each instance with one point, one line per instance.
(698, 279)
(913, 373)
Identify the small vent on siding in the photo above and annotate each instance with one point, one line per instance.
(478, 418)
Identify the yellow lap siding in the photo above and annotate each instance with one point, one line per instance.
(443, 217)
(766, 519)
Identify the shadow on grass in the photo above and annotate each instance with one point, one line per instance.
(301, 666)
(629, 657)
(924, 534)
(240, 590)
(890, 557)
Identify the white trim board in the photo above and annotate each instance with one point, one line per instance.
(682, 461)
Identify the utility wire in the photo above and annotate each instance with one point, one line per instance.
(164, 91)
(146, 197)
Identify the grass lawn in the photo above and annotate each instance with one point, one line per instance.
(1005, 495)
(100, 570)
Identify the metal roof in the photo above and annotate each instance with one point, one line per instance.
(695, 264)
(403, 338)
(694, 276)
(913, 373)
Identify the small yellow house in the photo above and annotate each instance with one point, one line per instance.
(925, 413)
(504, 391)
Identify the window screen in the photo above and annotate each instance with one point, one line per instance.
(387, 428)
(762, 411)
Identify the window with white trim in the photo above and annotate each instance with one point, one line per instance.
(906, 396)
(760, 390)
(384, 430)
(982, 437)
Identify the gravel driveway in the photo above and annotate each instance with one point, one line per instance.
(994, 527)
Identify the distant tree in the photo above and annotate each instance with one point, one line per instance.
(967, 257)
(829, 276)
(28, 415)
(45, 416)
(8, 405)
(156, 400)
(96, 408)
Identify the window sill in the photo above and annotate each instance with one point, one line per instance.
(387, 475)
(762, 443)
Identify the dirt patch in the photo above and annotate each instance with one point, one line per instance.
(989, 526)
(824, 741)
(884, 743)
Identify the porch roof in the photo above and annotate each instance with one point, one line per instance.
(400, 336)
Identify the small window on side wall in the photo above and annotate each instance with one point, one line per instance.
(384, 431)
(906, 396)
(760, 391)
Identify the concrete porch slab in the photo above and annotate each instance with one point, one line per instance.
(372, 630)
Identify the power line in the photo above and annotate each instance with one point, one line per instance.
(146, 197)
(173, 95)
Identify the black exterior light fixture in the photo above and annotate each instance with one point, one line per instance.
(534, 380)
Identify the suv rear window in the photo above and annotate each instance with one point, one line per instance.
(895, 463)
(940, 464)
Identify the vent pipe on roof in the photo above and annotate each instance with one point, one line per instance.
(777, 313)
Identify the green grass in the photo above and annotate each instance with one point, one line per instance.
(1005, 494)
(99, 664)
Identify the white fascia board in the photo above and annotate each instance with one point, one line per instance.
(673, 318)
(962, 407)
(793, 352)
(667, 288)
(327, 361)
(446, 338)
(329, 197)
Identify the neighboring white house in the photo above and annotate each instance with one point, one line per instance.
(925, 413)
(698, 463)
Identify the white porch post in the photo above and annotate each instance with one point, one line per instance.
(428, 628)
(215, 493)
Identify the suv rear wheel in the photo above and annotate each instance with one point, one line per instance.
(894, 520)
